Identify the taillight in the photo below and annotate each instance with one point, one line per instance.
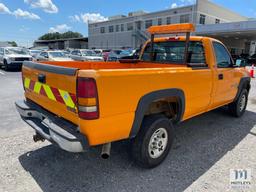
(87, 98)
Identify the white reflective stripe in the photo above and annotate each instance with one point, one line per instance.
(87, 109)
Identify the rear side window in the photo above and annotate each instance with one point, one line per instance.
(223, 58)
(173, 52)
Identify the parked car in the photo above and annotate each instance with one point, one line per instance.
(83, 105)
(105, 54)
(130, 54)
(34, 53)
(85, 55)
(52, 56)
(13, 57)
(115, 55)
(111, 56)
(66, 53)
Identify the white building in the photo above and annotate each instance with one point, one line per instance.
(210, 19)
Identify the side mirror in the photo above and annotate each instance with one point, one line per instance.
(240, 63)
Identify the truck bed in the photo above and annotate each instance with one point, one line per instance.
(120, 87)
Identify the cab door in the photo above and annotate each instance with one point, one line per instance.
(225, 80)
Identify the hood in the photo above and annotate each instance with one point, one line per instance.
(18, 55)
(61, 59)
(96, 58)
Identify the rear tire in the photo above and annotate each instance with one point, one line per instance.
(238, 107)
(153, 142)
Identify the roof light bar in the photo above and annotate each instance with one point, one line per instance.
(171, 29)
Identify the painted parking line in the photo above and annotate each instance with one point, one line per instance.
(2, 73)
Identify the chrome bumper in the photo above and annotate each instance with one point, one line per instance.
(51, 127)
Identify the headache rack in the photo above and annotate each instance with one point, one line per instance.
(186, 28)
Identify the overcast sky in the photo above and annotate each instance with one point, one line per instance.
(25, 20)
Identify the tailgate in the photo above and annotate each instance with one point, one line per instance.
(52, 87)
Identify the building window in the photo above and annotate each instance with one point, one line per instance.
(148, 23)
(117, 28)
(138, 25)
(168, 20)
(111, 29)
(202, 19)
(122, 27)
(217, 21)
(102, 30)
(184, 18)
(129, 26)
(159, 21)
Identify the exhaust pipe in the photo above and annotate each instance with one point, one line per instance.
(37, 138)
(105, 152)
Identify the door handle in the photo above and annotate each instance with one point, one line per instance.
(221, 76)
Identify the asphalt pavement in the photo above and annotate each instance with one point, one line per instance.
(205, 149)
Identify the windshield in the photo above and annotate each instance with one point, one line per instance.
(89, 53)
(173, 52)
(34, 51)
(57, 54)
(16, 51)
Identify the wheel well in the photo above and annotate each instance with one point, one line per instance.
(170, 102)
(168, 106)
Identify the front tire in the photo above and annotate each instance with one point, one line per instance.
(6, 67)
(238, 107)
(153, 142)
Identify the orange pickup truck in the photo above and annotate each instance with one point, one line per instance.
(83, 104)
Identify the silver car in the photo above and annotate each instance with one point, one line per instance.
(52, 56)
(85, 55)
(13, 57)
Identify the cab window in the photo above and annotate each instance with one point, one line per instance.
(173, 52)
(223, 58)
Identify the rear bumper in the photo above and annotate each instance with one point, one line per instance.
(51, 127)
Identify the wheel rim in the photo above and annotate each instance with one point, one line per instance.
(242, 103)
(158, 143)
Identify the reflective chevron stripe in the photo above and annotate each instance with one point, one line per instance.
(67, 99)
(54, 94)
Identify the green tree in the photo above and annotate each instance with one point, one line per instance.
(13, 43)
(57, 35)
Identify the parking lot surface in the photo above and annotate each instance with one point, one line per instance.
(205, 149)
